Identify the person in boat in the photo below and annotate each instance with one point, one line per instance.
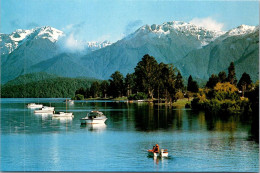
(156, 149)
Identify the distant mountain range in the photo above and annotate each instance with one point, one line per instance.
(193, 50)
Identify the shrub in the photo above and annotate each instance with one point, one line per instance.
(138, 96)
(78, 97)
(187, 105)
(179, 95)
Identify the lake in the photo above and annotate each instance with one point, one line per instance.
(195, 141)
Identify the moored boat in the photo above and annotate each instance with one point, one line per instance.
(63, 115)
(94, 117)
(45, 110)
(33, 105)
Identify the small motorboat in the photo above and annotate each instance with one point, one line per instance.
(45, 110)
(158, 153)
(94, 117)
(33, 105)
(63, 115)
(69, 101)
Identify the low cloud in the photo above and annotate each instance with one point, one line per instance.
(132, 26)
(74, 28)
(208, 23)
(68, 43)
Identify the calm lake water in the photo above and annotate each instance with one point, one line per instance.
(195, 142)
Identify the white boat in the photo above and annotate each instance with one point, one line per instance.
(161, 153)
(33, 105)
(69, 101)
(94, 117)
(63, 115)
(45, 110)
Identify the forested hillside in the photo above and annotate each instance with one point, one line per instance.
(39, 86)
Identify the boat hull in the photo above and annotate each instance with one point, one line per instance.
(34, 106)
(63, 115)
(93, 121)
(44, 111)
(160, 154)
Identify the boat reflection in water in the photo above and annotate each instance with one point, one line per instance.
(63, 119)
(43, 116)
(94, 127)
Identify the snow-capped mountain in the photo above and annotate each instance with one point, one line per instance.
(9, 42)
(240, 45)
(177, 29)
(192, 49)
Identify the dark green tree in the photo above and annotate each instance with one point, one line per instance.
(81, 91)
(145, 73)
(179, 82)
(222, 76)
(232, 74)
(129, 83)
(189, 86)
(192, 85)
(104, 86)
(244, 82)
(116, 86)
(213, 80)
(168, 80)
(95, 89)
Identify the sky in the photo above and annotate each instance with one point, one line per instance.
(100, 20)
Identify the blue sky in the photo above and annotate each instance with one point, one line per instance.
(99, 20)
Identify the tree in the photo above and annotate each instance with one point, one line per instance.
(167, 78)
(192, 85)
(129, 83)
(95, 89)
(179, 82)
(145, 73)
(222, 76)
(226, 87)
(244, 82)
(232, 74)
(116, 84)
(213, 80)
(104, 88)
(81, 91)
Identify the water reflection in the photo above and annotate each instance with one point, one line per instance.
(202, 141)
(94, 127)
(121, 116)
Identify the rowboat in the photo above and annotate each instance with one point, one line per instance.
(161, 153)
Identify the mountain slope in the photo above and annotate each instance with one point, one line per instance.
(242, 49)
(168, 43)
(31, 77)
(194, 50)
(62, 65)
(23, 49)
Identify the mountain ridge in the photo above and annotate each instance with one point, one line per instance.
(193, 50)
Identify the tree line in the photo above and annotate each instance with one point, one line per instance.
(150, 79)
(59, 87)
(223, 94)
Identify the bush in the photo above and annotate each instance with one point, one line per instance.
(187, 105)
(179, 95)
(78, 97)
(138, 96)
